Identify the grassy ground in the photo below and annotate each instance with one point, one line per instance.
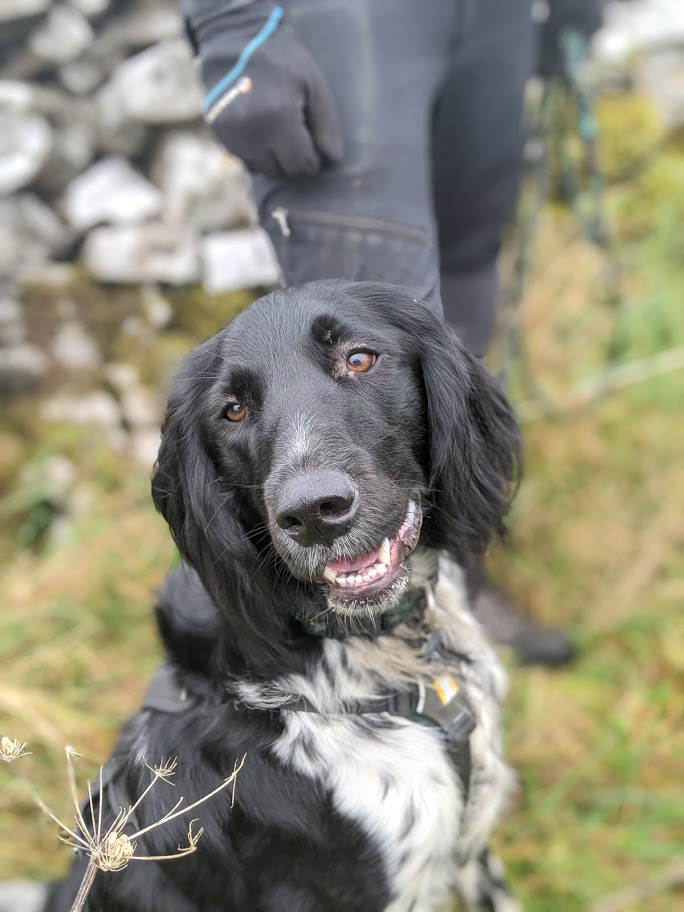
(596, 546)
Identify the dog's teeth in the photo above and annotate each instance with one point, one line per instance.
(372, 572)
(329, 575)
(384, 554)
(381, 569)
(358, 580)
(341, 580)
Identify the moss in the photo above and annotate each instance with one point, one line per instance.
(100, 308)
(655, 194)
(200, 314)
(630, 131)
(12, 456)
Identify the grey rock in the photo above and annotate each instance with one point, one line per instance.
(156, 308)
(110, 191)
(74, 348)
(18, 18)
(72, 151)
(117, 133)
(97, 408)
(63, 35)
(25, 144)
(21, 9)
(115, 40)
(121, 376)
(151, 252)
(52, 103)
(202, 185)
(22, 895)
(144, 446)
(138, 330)
(31, 235)
(90, 8)
(82, 76)
(22, 367)
(159, 85)
(98, 61)
(72, 126)
(149, 24)
(54, 477)
(140, 409)
(16, 95)
(238, 259)
(40, 220)
(56, 275)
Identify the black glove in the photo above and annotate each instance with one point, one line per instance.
(286, 124)
(585, 16)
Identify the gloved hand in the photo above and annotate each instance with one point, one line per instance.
(585, 16)
(286, 124)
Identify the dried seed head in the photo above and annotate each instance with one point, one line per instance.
(11, 750)
(114, 852)
(164, 770)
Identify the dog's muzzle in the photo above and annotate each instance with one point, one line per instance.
(373, 580)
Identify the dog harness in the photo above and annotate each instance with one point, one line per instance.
(439, 701)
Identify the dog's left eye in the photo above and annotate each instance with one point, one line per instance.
(359, 362)
(235, 412)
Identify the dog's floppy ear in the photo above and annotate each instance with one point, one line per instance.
(473, 446)
(205, 514)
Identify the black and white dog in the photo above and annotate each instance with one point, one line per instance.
(332, 462)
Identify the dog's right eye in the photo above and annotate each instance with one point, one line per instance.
(360, 362)
(236, 412)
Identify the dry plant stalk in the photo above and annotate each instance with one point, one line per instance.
(113, 849)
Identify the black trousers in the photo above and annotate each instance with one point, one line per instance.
(429, 94)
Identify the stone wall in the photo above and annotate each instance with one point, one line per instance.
(106, 163)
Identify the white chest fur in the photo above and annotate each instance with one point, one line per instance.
(390, 775)
(397, 785)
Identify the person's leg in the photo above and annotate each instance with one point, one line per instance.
(371, 217)
(477, 150)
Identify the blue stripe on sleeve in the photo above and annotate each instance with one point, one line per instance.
(263, 35)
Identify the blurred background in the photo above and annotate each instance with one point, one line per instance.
(128, 236)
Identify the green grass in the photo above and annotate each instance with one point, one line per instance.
(597, 546)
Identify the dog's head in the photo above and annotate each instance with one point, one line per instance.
(307, 441)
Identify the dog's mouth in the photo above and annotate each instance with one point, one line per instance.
(367, 580)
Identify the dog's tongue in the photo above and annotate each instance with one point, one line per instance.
(347, 564)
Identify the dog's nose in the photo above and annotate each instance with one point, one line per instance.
(317, 507)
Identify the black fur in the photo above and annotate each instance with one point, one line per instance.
(427, 418)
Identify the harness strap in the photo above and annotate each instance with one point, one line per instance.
(439, 702)
(423, 703)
